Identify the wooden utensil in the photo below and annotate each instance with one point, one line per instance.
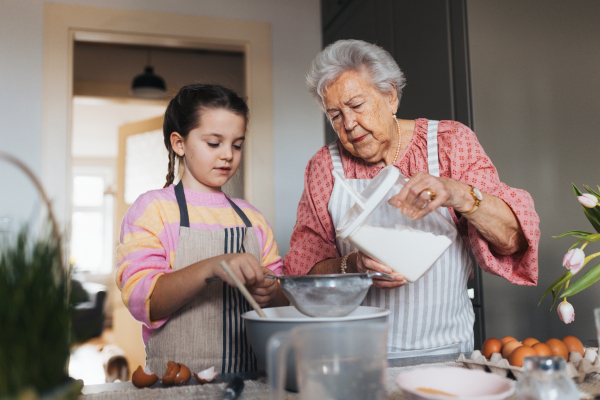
(243, 289)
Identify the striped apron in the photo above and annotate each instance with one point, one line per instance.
(433, 315)
(209, 330)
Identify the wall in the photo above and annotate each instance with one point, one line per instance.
(536, 95)
(20, 105)
(298, 127)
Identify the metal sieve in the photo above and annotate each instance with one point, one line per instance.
(334, 295)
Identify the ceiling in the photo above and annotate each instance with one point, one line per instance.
(102, 76)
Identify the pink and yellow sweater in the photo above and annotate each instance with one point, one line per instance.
(149, 237)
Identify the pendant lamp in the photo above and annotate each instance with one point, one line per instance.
(148, 85)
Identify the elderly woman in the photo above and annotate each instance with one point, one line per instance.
(358, 85)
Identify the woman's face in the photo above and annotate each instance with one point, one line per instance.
(211, 152)
(362, 116)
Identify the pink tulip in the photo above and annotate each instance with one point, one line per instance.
(566, 312)
(574, 260)
(588, 200)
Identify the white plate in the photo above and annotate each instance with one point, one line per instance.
(291, 314)
(466, 384)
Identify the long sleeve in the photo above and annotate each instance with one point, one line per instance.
(313, 238)
(270, 251)
(463, 159)
(146, 252)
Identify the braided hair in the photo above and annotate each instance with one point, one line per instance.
(185, 110)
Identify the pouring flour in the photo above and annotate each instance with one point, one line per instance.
(410, 248)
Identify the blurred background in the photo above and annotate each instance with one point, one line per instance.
(525, 75)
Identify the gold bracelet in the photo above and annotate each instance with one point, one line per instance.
(477, 196)
(345, 261)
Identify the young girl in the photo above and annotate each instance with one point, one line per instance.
(173, 239)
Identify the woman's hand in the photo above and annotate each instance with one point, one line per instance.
(264, 293)
(243, 265)
(366, 264)
(423, 193)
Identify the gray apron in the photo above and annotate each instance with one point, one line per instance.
(209, 330)
(433, 315)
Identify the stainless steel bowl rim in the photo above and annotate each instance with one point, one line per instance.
(253, 315)
(362, 275)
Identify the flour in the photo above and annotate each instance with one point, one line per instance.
(408, 251)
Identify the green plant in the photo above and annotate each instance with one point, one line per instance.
(35, 311)
(575, 259)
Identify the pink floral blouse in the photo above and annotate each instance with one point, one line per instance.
(461, 158)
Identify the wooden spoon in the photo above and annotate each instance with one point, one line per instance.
(243, 289)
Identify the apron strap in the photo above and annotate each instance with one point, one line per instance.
(432, 148)
(183, 211)
(239, 212)
(336, 158)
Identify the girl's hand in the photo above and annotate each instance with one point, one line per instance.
(244, 265)
(264, 293)
(366, 264)
(423, 193)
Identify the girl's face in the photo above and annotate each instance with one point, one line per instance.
(211, 152)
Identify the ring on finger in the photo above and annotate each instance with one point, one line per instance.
(431, 193)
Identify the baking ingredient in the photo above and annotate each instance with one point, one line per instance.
(542, 349)
(491, 346)
(573, 344)
(406, 250)
(558, 348)
(518, 355)
(530, 342)
(509, 347)
(507, 339)
(176, 374)
(206, 375)
(434, 391)
(141, 378)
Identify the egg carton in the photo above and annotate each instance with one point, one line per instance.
(578, 367)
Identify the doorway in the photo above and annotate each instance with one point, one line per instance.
(67, 29)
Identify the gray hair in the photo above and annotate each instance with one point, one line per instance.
(353, 55)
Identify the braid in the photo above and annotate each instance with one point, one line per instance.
(184, 112)
(171, 175)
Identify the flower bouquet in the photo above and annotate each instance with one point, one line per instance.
(575, 259)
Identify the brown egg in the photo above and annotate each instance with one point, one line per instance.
(542, 349)
(573, 344)
(491, 346)
(141, 379)
(530, 341)
(508, 348)
(518, 355)
(507, 339)
(183, 376)
(171, 373)
(558, 348)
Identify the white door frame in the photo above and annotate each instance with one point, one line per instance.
(64, 24)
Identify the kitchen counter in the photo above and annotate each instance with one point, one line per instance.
(256, 385)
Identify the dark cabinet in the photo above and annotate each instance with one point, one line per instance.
(429, 41)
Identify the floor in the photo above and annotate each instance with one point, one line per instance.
(86, 360)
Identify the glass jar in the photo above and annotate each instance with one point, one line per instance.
(409, 247)
(545, 378)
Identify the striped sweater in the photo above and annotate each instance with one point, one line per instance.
(150, 234)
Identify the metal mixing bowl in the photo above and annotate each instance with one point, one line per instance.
(281, 319)
(334, 295)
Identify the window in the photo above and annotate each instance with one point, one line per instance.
(92, 220)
